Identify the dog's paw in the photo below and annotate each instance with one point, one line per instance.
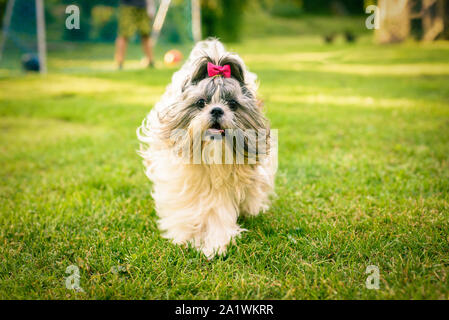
(211, 252)
(217, 245)
(253, 208)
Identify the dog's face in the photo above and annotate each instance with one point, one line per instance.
(211, 105)
(216, 104)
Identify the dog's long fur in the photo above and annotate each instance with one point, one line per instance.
(200, 203)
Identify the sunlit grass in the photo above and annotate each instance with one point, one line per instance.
(61, 87)
(329, 99)
(378, 69)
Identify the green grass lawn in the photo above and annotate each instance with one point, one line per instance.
(363, 180)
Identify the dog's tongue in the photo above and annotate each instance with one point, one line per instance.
(215, 131)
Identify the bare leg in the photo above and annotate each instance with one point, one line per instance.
(148, 50)
(120, 50)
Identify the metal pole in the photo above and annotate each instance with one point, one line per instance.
(6, 24)
(159, 20)
(196, 20)
(41, 43)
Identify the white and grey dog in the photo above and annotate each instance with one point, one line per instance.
(210, 102)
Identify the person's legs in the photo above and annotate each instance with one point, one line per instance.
(120, 50)
(148, 50)
(143, 24)
(126, 29)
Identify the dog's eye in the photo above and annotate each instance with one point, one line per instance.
(233, 104)
(200, 103)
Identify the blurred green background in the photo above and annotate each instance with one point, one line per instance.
(231, 21)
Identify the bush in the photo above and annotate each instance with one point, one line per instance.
(104, 23)
(287, 9)
(223, 18)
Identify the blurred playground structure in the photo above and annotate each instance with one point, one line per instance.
(35, 35)
(33, 28)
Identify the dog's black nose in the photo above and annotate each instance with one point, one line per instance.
(217, 112)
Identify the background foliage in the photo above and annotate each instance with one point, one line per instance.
(224, 18)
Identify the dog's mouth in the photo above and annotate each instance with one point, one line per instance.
(215, 129)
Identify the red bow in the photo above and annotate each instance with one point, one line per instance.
(214, 70)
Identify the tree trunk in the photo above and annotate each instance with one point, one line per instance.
(432, 19)
(394, 21)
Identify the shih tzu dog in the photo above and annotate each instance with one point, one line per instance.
(208, 150)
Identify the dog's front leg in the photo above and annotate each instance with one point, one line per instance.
(210, 230)
(219, 230)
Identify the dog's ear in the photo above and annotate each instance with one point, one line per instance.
(200, 71)
(236, 68)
